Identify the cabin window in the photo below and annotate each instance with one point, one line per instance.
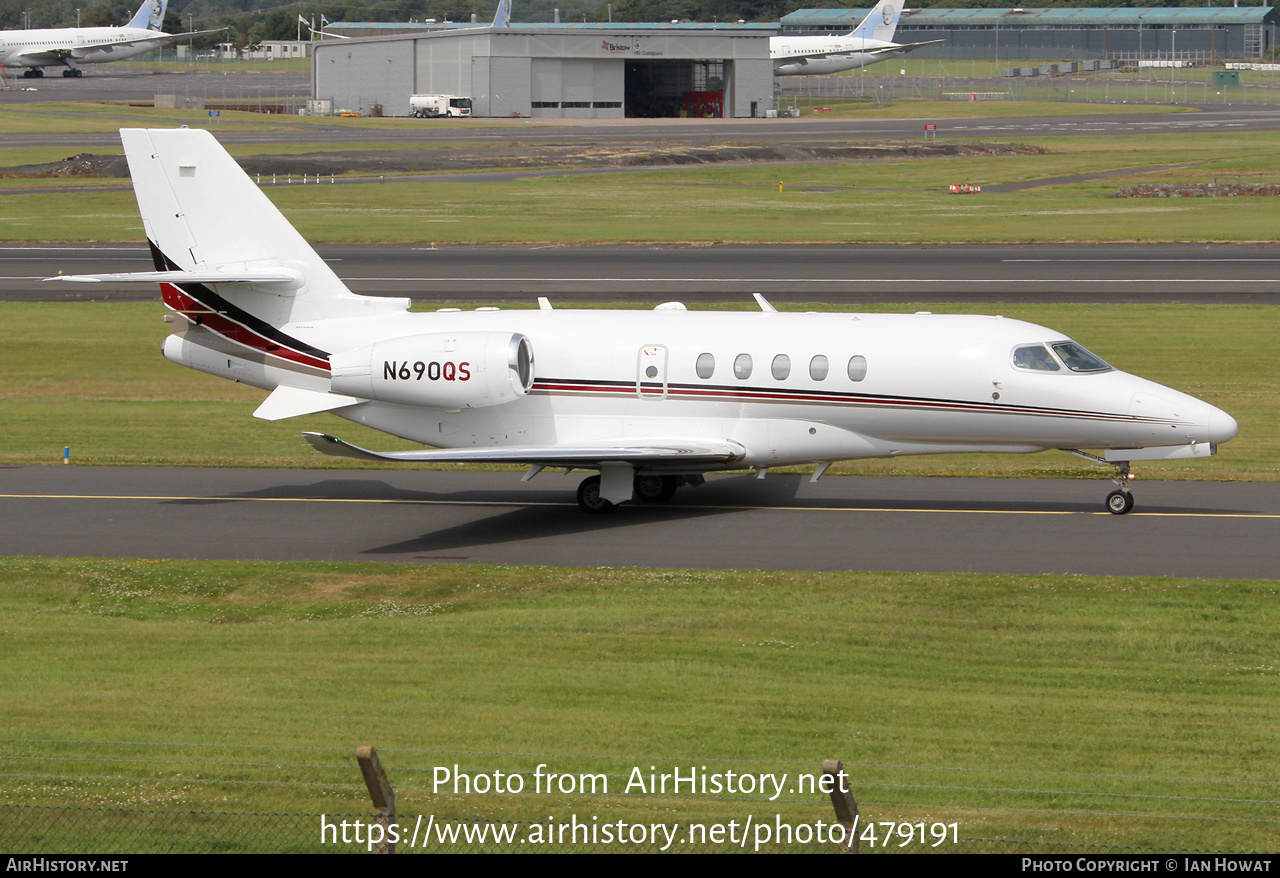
(857, 368)
(781, 367)
(742, 366)
(706, 366)
(1035, 357)
(818, 368)
(1078, 359)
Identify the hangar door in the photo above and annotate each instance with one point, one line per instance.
(664, 89)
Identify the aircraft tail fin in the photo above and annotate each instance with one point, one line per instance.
(881, 22)
(150, 15)
(502, 18)
(203, 214)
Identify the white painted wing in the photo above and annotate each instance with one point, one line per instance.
(651, 452)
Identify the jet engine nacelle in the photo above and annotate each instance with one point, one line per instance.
(449, 370)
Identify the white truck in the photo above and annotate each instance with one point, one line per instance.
(431, 106)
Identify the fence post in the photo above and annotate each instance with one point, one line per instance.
(842, 800)
(380, 791)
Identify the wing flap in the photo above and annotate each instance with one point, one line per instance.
(650, 452)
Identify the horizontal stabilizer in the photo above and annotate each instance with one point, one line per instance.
(647, 453)
(291, 402)
(214, 276)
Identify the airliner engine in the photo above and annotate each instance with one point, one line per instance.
(449, 370)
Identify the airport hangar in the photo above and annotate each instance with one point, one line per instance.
(590, 71)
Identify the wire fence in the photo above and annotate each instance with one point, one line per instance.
(72, 797)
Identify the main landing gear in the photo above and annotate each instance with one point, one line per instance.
(647, 489)
(33, 73)
(72, 71)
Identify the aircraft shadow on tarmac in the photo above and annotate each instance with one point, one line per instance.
(552, 512)
(536, 523)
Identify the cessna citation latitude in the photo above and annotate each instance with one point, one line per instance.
(870, 42)
(650, 400)
(69, 47)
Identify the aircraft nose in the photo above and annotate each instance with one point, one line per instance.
(1222, 427)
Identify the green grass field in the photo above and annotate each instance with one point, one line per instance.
(119, 402)
(1064, 710)
(890, 200)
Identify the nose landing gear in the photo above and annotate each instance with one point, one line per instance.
(1120, 500)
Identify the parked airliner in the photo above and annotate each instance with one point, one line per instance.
(649, 400)
(868, 43)
(69, 47)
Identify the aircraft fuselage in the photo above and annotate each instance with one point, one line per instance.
(790, 388)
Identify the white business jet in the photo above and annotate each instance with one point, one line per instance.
(868, 43)
(651, 400)
(70, 47)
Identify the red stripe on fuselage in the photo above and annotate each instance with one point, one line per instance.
(621, 390)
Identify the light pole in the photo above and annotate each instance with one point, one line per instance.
(77, 16)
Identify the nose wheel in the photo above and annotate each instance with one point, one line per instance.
(1119, 502)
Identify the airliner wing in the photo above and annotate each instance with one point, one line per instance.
(656, 452)
(186, 35)
(911, 47)
(76, 52)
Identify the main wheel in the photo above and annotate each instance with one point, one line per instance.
(1119, 502)
(655, 489)
(589, 499)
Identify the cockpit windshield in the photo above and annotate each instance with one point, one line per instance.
(1036, 357)
(1077, 359)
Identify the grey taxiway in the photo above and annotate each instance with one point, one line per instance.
(1031, 526)
(840, 274)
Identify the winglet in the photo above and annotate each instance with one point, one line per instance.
(764, 304)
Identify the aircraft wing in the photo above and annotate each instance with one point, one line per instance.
(911, 47)
(655, 452)
(46, 56)
(56, 55)
(175, 38)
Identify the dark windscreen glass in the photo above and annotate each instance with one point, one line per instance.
(1078, 359)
